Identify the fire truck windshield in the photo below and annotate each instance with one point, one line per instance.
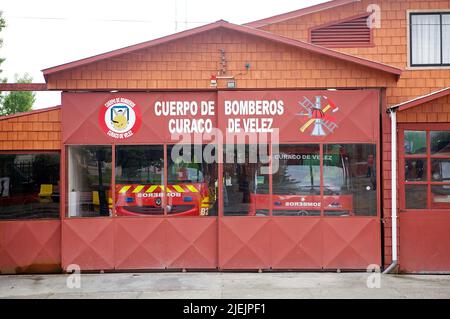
(185, 174)
(305, 179)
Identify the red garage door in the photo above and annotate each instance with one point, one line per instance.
(228, 180)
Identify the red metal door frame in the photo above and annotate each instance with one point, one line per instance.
(313, 243)
(334, 237)
(424, 239)
(136, 243)
(30, 246)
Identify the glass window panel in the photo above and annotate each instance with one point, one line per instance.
(440, 170)
(89, 181)
(446, 38)
(349, 176)
(425, 39)
(415, 169)
(416, 196)
(415, 142)
(192, 180)
(139, 180)
(440, 196)
(296, 180)
(440, 142)
(29, 186)
(246, 180)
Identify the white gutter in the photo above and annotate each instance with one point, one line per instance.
(393, 116)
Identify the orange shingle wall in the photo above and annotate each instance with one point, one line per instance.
(390, 42)
(437, 111)
(189, 63)
(36, 131)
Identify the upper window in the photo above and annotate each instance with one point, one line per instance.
(430, 39)
(29, 186)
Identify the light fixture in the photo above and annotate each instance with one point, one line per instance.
(231, 84)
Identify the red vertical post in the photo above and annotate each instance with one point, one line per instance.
(164, 199)
(428, 141)
(113, 180)
(62, 183)
(321, 154)
(270, 151)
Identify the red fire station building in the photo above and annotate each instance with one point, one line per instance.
(313, 140)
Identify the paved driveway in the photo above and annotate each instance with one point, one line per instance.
(226, 285)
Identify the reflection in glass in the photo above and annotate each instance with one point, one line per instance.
(246, 187)
(440, 170)
(192, 180)
(349, 176)
(415, 142)
(296, 184)
(139, 180)
(29, 186)
(440, 143)
(440, 196)
(415, 169)
(416, 196)
(89, 181)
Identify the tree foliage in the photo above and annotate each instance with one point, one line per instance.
(18, 101)
(2, 25)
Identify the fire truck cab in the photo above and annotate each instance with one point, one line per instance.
(190, 191)
(297, 190)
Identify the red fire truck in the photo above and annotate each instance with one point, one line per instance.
(296, 190)
(187, 194)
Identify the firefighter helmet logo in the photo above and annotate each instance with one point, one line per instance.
(120, 118)
(318, 114)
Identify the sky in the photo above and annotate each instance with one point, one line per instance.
(46, 33)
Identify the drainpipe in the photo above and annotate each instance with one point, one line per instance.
(393, 116)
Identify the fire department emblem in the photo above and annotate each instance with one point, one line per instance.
(119, 118)
(319, 115)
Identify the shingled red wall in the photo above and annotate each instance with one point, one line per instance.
(33, 131)
(188, 63)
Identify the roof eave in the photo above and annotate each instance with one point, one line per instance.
(47, 109)
(131, 48)
(419, 100)
(298, 13)
(239, 28)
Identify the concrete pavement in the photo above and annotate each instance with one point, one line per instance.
(226, 285)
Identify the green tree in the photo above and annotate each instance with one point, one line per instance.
(18, 101)
(2, 25)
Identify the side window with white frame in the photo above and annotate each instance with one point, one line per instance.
(429, 39)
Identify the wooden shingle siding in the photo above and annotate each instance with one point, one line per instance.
(437, 111)
(35, 131)
(390, 42)
(188, 63)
